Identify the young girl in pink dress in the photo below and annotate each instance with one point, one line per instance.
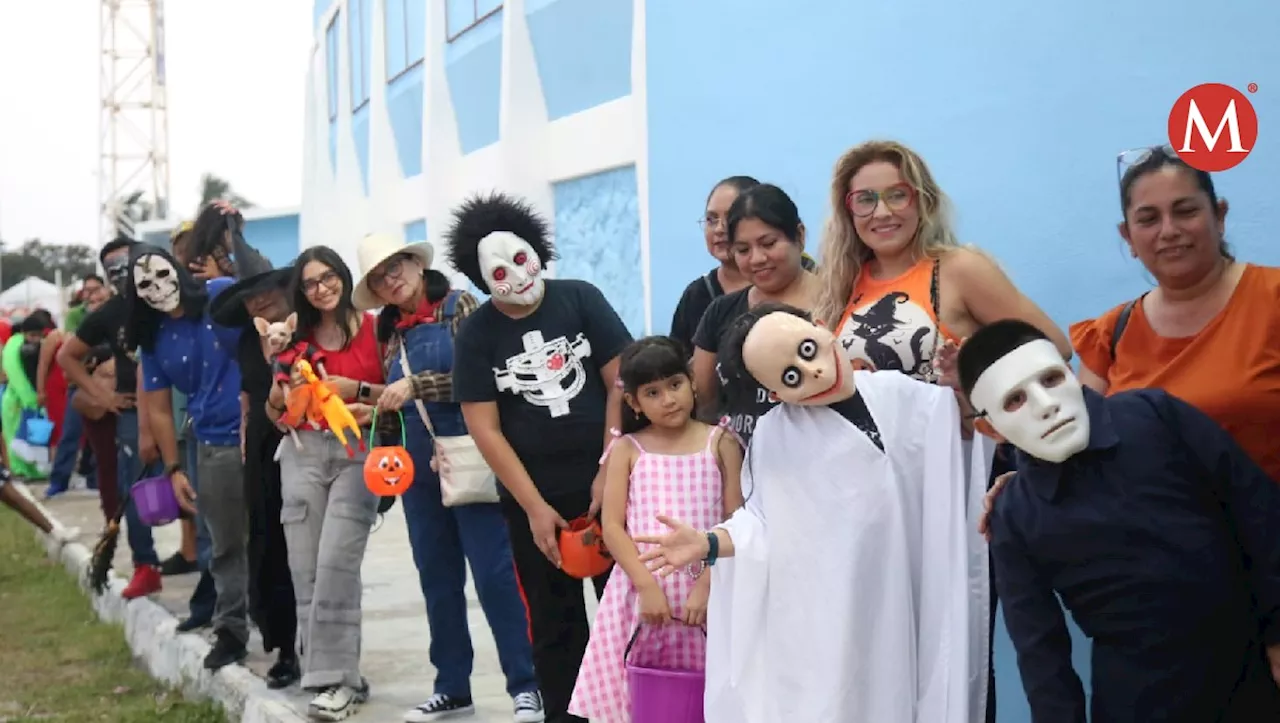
(670, 464)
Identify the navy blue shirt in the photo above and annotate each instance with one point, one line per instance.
(198, 358)
(1162, 538)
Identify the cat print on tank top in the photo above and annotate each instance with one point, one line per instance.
(892, 324)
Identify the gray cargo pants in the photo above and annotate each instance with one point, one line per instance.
(220, 498)
(327, 513)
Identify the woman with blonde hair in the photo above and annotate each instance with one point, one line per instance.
(895, 282)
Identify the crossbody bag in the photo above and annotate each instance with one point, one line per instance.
(468, 479)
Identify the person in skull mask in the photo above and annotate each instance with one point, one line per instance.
(122, 461)
(182, 348)
(534, 370)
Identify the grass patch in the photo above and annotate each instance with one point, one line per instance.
(58, 662)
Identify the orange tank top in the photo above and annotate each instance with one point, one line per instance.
(1230, 370)
(893, 323)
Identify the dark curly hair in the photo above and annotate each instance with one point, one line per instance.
(482, 215)
(644, 361)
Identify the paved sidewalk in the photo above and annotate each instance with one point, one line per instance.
(395, 624)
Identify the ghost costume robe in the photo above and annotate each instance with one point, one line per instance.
(858, 588)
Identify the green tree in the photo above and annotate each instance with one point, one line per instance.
(213, 188)
(36, 258)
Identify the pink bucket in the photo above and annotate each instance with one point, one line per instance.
(663, 695)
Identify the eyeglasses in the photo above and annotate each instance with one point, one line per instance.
(329, 279)
(1126, 160)
(393, 271)
(864, 202)
(711, 222)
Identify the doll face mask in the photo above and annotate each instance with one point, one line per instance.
(511, 268)
(1033, 400)
(797, 361)
(156, 282)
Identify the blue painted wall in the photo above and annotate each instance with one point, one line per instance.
(560, 43)
(415, 231)
(405, 47)
(1019, 112)
(276, 237)
(318, 10)
(473, 65)
(359, 39)
(597, 230)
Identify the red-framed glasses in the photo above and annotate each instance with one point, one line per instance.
(863, 202)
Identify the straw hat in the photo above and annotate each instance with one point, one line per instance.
(373, 250)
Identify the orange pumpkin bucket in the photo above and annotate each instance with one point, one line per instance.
(388, 471)
(582, 550)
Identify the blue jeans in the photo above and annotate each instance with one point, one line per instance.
(129, 470)
(64, 457)
(445, 539)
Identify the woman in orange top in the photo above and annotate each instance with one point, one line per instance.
(1209, 332)
(895, 284)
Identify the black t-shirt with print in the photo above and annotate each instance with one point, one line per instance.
(106, 326)
(543, 371)
(719, 315)
(697, 296)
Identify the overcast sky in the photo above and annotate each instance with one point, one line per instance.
(254, 51)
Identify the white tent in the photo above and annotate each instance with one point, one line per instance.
(30, 294)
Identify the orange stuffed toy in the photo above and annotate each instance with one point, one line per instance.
(317, 401)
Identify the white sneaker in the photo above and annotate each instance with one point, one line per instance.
(440, 707)
(529, 708)
(337, 702)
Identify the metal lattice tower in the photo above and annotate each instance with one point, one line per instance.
(133, 118)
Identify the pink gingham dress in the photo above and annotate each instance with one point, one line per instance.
(686, 487)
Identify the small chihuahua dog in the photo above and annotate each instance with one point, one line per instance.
(275, 339)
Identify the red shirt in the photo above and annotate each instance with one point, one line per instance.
(360, 360)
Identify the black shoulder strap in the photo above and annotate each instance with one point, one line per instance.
(1121, 322)
(933, 289)
(711, 290)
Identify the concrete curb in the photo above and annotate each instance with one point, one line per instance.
(174, 658)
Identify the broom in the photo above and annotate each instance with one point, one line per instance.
(105, 549)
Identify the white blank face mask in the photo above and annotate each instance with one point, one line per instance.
(511, 268)
(156, 282)
(1032, 398)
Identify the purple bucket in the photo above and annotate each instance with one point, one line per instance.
(664, 695)
(154, 499)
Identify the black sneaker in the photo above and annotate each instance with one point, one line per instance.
(226, 651)
(440, 707)
(177, 565)
(285, 672)
(194, 622)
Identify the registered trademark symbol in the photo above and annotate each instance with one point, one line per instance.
(1253, 87)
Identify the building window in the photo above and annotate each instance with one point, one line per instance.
(462, 15)
(358, 32)
(331, 61)
(406, 30)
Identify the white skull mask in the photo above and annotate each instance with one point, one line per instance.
(156, 281)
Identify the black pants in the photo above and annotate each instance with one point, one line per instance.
(1001, 463)
(271, 602)
(557, 610)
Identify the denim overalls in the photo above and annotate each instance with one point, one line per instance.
(445, 539)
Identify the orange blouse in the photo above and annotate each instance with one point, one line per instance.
(892, 323)
(1230, 370)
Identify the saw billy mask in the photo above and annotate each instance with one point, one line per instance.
(156, 282)
(511, 269)
(1031, 398)
(798, 361)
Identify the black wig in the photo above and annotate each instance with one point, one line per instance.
(647, 360)
(988, 345)
(482, 215)
(144, 321)
(737, 386)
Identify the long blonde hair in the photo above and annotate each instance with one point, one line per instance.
(843, 254)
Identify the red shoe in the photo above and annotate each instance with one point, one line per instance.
(146, 580)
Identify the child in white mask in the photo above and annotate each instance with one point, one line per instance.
(1153, 527)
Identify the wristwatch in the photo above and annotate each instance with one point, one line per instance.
(713, 549)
